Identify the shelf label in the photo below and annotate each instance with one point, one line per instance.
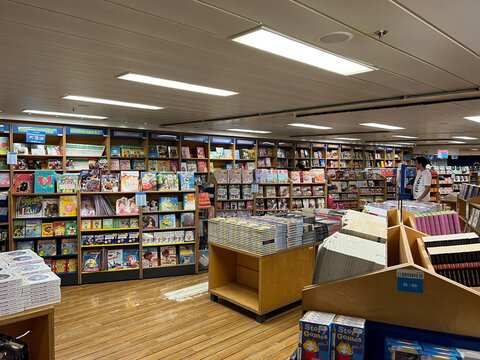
(128, 134)
(195, 138)
(318, 145)
(303, 145)
(12, 158)
(71, 130)
(410, 280)
(245, 142)
(141, 199)
(5, 128)
(48, 130)
(390, 149)
(333, 146)
(346, 147)
(285, 144)
(167, 137)
(221, 140)
(254, 188)
(380, 148)
(36, 137)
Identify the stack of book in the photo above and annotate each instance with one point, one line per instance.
(366, 226)
(438, 223)
(468, 191)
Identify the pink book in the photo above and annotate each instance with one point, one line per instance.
(426, 224)
(451, 224)
(447, 226)
(436, 223)
(430, 224)
(441, 218)
(456, 222)
(421, 221)
(417, 222)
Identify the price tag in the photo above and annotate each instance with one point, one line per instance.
(141, 198)
(410, 280)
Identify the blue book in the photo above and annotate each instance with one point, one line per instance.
(187, 180)
(186, 255)
(167, 221)
(168, 203)
(115, 151)
(44, 181)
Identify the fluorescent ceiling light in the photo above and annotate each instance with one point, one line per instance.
(175, 84)
(404, 137)
(474, 149)
(346, 138)
(310, 126)
(464, 137)
(54, 113)
(383, 126)
(473, 118)
(250, 131)
(404, 143)
(111, 102)
(278, 44)
(457, 142)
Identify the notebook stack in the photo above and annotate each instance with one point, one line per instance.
(438, 223)
(282, 230)
(456, 257)
(41, 289)
(366, 226)
(11, 300)
(343, 256)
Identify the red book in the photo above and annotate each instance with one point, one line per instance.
(200, 152)
(202, 166)
(24, 183)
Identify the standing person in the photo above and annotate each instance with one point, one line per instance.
(423, 181)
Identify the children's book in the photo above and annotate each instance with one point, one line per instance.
(110, 182)
(18, 228)
(70, 227)
(133, 222)
(50, 207)
(163, 165)
(24, 183)
(47, 229)
(59, 228)
(222, 192)
(34, 164)
(168, 255)
(187, 220)
(173, 166)
(103, 164)
(185, 152)
(221, 176)
(3, 144)
(24, 245)
(167, 221)
(152, 151)
(200, 152)
(126, 206)
(37, 149)
(168, 203)
(44, 181)
(178, 236)
(167, 181)
(186, 255)
(20, 148)
(115, 164)
(130, 258)
(68, 205)
(47, 248)
(33, 228)
(88, 206)
(96, 224)
(186, 180)
(189, 201)
(162, 151)
(202, 166)
(115, 150)
(31, 206)
(192, 165)
(4, 179)
(68, 246)
(67, 183)
(150, 221)
(149, 181)
(183, 166)
(54, 164)
(115, 259)
(172, 152)
(150, 257)
(234, 192)
(125, 164)
(86, 224)
(53, 150)
(90, 181)
(129, 181)
(138, 164)
(107, 224)
(189, 235)
(91, 261)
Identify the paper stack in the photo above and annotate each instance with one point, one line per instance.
(11, 300)
(41, 289)
(366, 226)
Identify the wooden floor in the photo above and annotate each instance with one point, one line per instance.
(132, 320)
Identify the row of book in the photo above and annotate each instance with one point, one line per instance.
(168, 221)
(308, 203)
(234, 192)
(120, 238)
(235, 205)
(474, 220)
(38, 206)
(235, 176)
(272, 204)
(171, 203)
(34, 149)
(62, 266)
(438, 223)
(128, 151)
(43, 228)
(305, 190)
(289, 229)
(109, 223)
(49, 247)
(168, 237)
(468, 191)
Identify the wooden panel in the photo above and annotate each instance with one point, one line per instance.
(239, 294)
(411, 237)
(247, 277)
(250, 262)
(405, 252)
(393, 245)
(393, 218)
(222, 266)
(423, 256)
(436, 309)
(409, 219)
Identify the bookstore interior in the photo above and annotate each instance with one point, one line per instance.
(240, 179)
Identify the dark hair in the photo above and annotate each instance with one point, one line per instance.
(422, 160)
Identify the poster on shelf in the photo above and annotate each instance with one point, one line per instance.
(11, 158)
(35, 137)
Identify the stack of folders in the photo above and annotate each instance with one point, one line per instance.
(456, 257)
(366, 226)
(343, 256)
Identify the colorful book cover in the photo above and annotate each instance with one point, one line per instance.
(59, 228)
(114, 259)
(70, 228)
(24, 183)
(149, 181)
(96, 224)
(185, 152)
(168, 203)
(33, 228)
(25, 245)
(173, 166)
(186, 180)
(115, 164)
(173, 152)
(186, 254)
(44, 181)
(50, 207)
(178, 236)
(68, 205)
(162, 151)
(167, 221)
(126, 206)
(138, 164)
(189, 201)
(167, 181)
(47, 248)
(163, 165)
(150, 221)
(90, 181)
(31, 206)
(67, 183)
(192, 165)
(54, 164)
(37, 149)
(152, 151)
(125, 164)
(189, 236)
(4, 144)
(130, 258)
(168, 255)
(187, 219)
(68, 246)
(202, 166)
(110, 182)
(150, 257)
(107, 224)
(129, 181)
(18, 228)
(91, 261)
(200, 152)
(47, 229)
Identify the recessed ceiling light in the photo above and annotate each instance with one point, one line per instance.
(405, 143)
(404, 137)
(57, 114)
(310, 126)
(457, 142)
(464, 137)
(111, 102)
(278, 44)
(346, 138)
(250, 131)
(383, 126)
(473, 118)
(144, 79)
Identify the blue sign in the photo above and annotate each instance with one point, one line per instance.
(410, 280)
(245, 142)
(221, 140)
(128, 134)
(266, 143)
(48, 130)
(5, 128)
(285, 144)
(195, 138)
(303, 145)
(72, 130)
(36, 137)
(442, 154)
(167, 137)
(390, 149)
(316, 145)
(454, 157)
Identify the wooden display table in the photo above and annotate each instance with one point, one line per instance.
(257, 283)
(41, 339)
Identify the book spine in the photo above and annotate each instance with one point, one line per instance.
(451, 222)
(436, 221)
(456, 220)
(429, 224)
(441, 218)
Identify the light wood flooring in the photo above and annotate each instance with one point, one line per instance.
(132, 320)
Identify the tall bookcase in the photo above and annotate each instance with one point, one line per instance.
(285, 155)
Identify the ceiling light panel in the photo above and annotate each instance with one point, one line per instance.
(111, 102)
(404, 137)
(473, 118)
(464, 137)
(55, 113)
(150, 80)
(319, 127)
(250, 131)
(278, 44)
(457, 142)
(383, 126)
(347, 138)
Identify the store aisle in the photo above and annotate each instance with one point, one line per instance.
(134, 320)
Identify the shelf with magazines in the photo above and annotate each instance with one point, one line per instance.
(266, 154)
(221, 152)
(86, 148)
(163, 152)
(309, 189)
(233, 195)
(303, 154)
(245, 154)
(127, 150)
(333, 154)
(285, 155)
(319, 154)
